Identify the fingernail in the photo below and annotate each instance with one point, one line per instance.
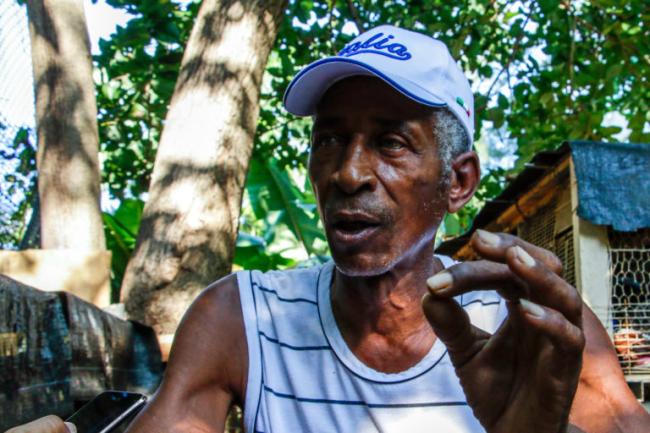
(488, 238)
(532, 308)
(440, 282)
(71, 427)
(524, 257)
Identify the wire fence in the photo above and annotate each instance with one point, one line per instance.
(629, 268)
(17, 132)
(629, 257)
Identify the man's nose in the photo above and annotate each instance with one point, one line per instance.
(355, 171)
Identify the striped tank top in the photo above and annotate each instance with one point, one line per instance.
(302, 377)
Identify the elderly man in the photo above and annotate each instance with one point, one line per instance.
(389, 337)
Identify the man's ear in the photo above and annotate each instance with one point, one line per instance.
(465, 177)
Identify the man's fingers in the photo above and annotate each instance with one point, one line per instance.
(545, 287)
(47, 424)
(521, 276)
(564, 335)
(452, 326)
(478, 275)
(493, 246)
(560, 345)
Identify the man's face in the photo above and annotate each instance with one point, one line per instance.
(376, 174)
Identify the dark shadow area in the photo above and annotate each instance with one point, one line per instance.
(59, 351)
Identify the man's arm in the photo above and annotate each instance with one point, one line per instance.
(603, 401)
(207, 367)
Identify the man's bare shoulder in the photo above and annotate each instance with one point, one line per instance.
(207, 366)
(212, 335)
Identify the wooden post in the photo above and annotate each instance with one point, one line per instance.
(592, 270)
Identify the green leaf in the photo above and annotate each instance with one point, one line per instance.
(121, 229)
(546, 98)
(451, 225)
(272, 189)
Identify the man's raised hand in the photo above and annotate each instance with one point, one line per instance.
(524, 376)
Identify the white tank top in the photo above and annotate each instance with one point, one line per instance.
(302, 377)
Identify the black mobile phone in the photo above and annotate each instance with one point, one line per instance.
(110, 411)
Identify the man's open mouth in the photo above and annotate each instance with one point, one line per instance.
(352, 226)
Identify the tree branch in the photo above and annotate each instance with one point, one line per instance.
(515, 48)
(572, 19)
(354, 12)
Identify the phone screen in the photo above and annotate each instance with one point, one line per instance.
(106, 411)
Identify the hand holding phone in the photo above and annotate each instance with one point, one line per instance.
(46, 424)
(110, 411)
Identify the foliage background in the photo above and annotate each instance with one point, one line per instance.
(542, 71)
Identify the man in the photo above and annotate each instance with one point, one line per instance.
(389, 337)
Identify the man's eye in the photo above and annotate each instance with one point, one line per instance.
(391, 143)
(327, 140)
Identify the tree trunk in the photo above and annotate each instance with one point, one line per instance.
(66, 119)
(189, 225)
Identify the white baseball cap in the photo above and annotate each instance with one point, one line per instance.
(417, 65)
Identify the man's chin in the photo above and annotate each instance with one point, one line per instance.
(362, 266)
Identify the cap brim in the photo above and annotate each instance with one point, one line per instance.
(307, 88)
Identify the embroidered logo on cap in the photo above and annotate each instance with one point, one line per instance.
(462, 104)
(377, 44)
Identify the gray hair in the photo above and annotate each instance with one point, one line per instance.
(452, 140)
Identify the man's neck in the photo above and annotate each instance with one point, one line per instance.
(381, 318)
